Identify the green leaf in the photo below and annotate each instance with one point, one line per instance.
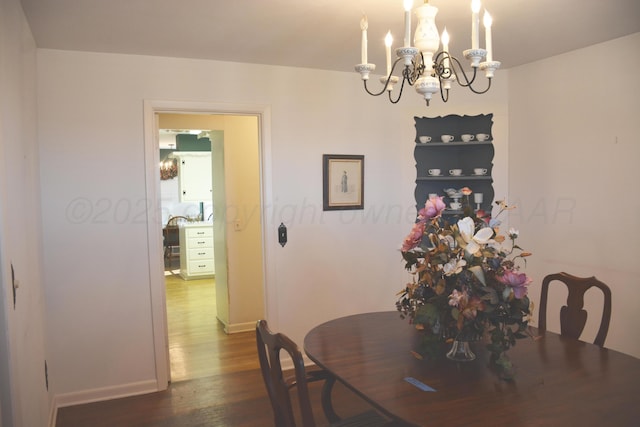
(427, 314)
(491, 295)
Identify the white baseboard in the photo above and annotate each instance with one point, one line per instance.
(234, 328)
(132, 389)
(105, 393)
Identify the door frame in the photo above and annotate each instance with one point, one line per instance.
(154, 219)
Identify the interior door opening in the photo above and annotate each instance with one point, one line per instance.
(187, 217)
(195, 273)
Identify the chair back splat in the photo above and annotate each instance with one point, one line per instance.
(269, 348)
(573, 317)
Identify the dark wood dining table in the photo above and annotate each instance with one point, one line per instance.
(558, 381)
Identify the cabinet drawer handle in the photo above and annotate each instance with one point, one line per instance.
(201, 253)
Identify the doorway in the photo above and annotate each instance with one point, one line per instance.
(236, 307)
(187, 210)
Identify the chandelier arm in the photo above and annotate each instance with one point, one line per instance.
(404, 79)
(386, 84)
(483, 91)
(377, 93)
(468, 82)
(417, 69)
(408, 75)
(418, 72)
(441, 71)
(444, 95)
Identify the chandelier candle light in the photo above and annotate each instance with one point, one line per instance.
(425, 68)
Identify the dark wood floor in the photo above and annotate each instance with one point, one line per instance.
(216, 381)
(224, 400)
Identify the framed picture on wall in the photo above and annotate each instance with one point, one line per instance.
(343, 182)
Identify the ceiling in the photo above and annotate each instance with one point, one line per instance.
(323, 34)
(167, 137)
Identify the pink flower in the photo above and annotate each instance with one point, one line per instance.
(432, 208)
(516, 281)
(457, 297)
(484, 216)
(466, 191)
(470, 308)
(414, 237)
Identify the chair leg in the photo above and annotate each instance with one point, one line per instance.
(325, 398)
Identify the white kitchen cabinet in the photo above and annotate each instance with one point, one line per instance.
(196, 250)
(194, 176)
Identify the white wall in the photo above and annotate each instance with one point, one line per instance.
(243, 234)
(573, 171)
(24, 400)
(335, 263)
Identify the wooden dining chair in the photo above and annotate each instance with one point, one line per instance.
(170, 235)
(278, 387)
(573, 317)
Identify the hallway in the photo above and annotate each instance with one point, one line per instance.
(198, 346)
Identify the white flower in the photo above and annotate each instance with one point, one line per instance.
(453, 267)
(450, 241)
(498, 246)
(482, 237)
(513, 233)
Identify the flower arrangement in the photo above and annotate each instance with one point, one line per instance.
(466, 282)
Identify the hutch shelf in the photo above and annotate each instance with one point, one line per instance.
(474, 159)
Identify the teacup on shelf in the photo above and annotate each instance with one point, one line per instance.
(455, 172)
(479, 171)
(446, 138)
(434, 172)
(424, 139)
(483, 136)
(467, 137)
(455, 205)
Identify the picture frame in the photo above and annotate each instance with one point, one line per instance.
(343, 182)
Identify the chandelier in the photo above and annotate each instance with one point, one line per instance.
(428, 70)
(168, 169)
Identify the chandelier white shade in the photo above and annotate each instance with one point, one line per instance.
(425, 67)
